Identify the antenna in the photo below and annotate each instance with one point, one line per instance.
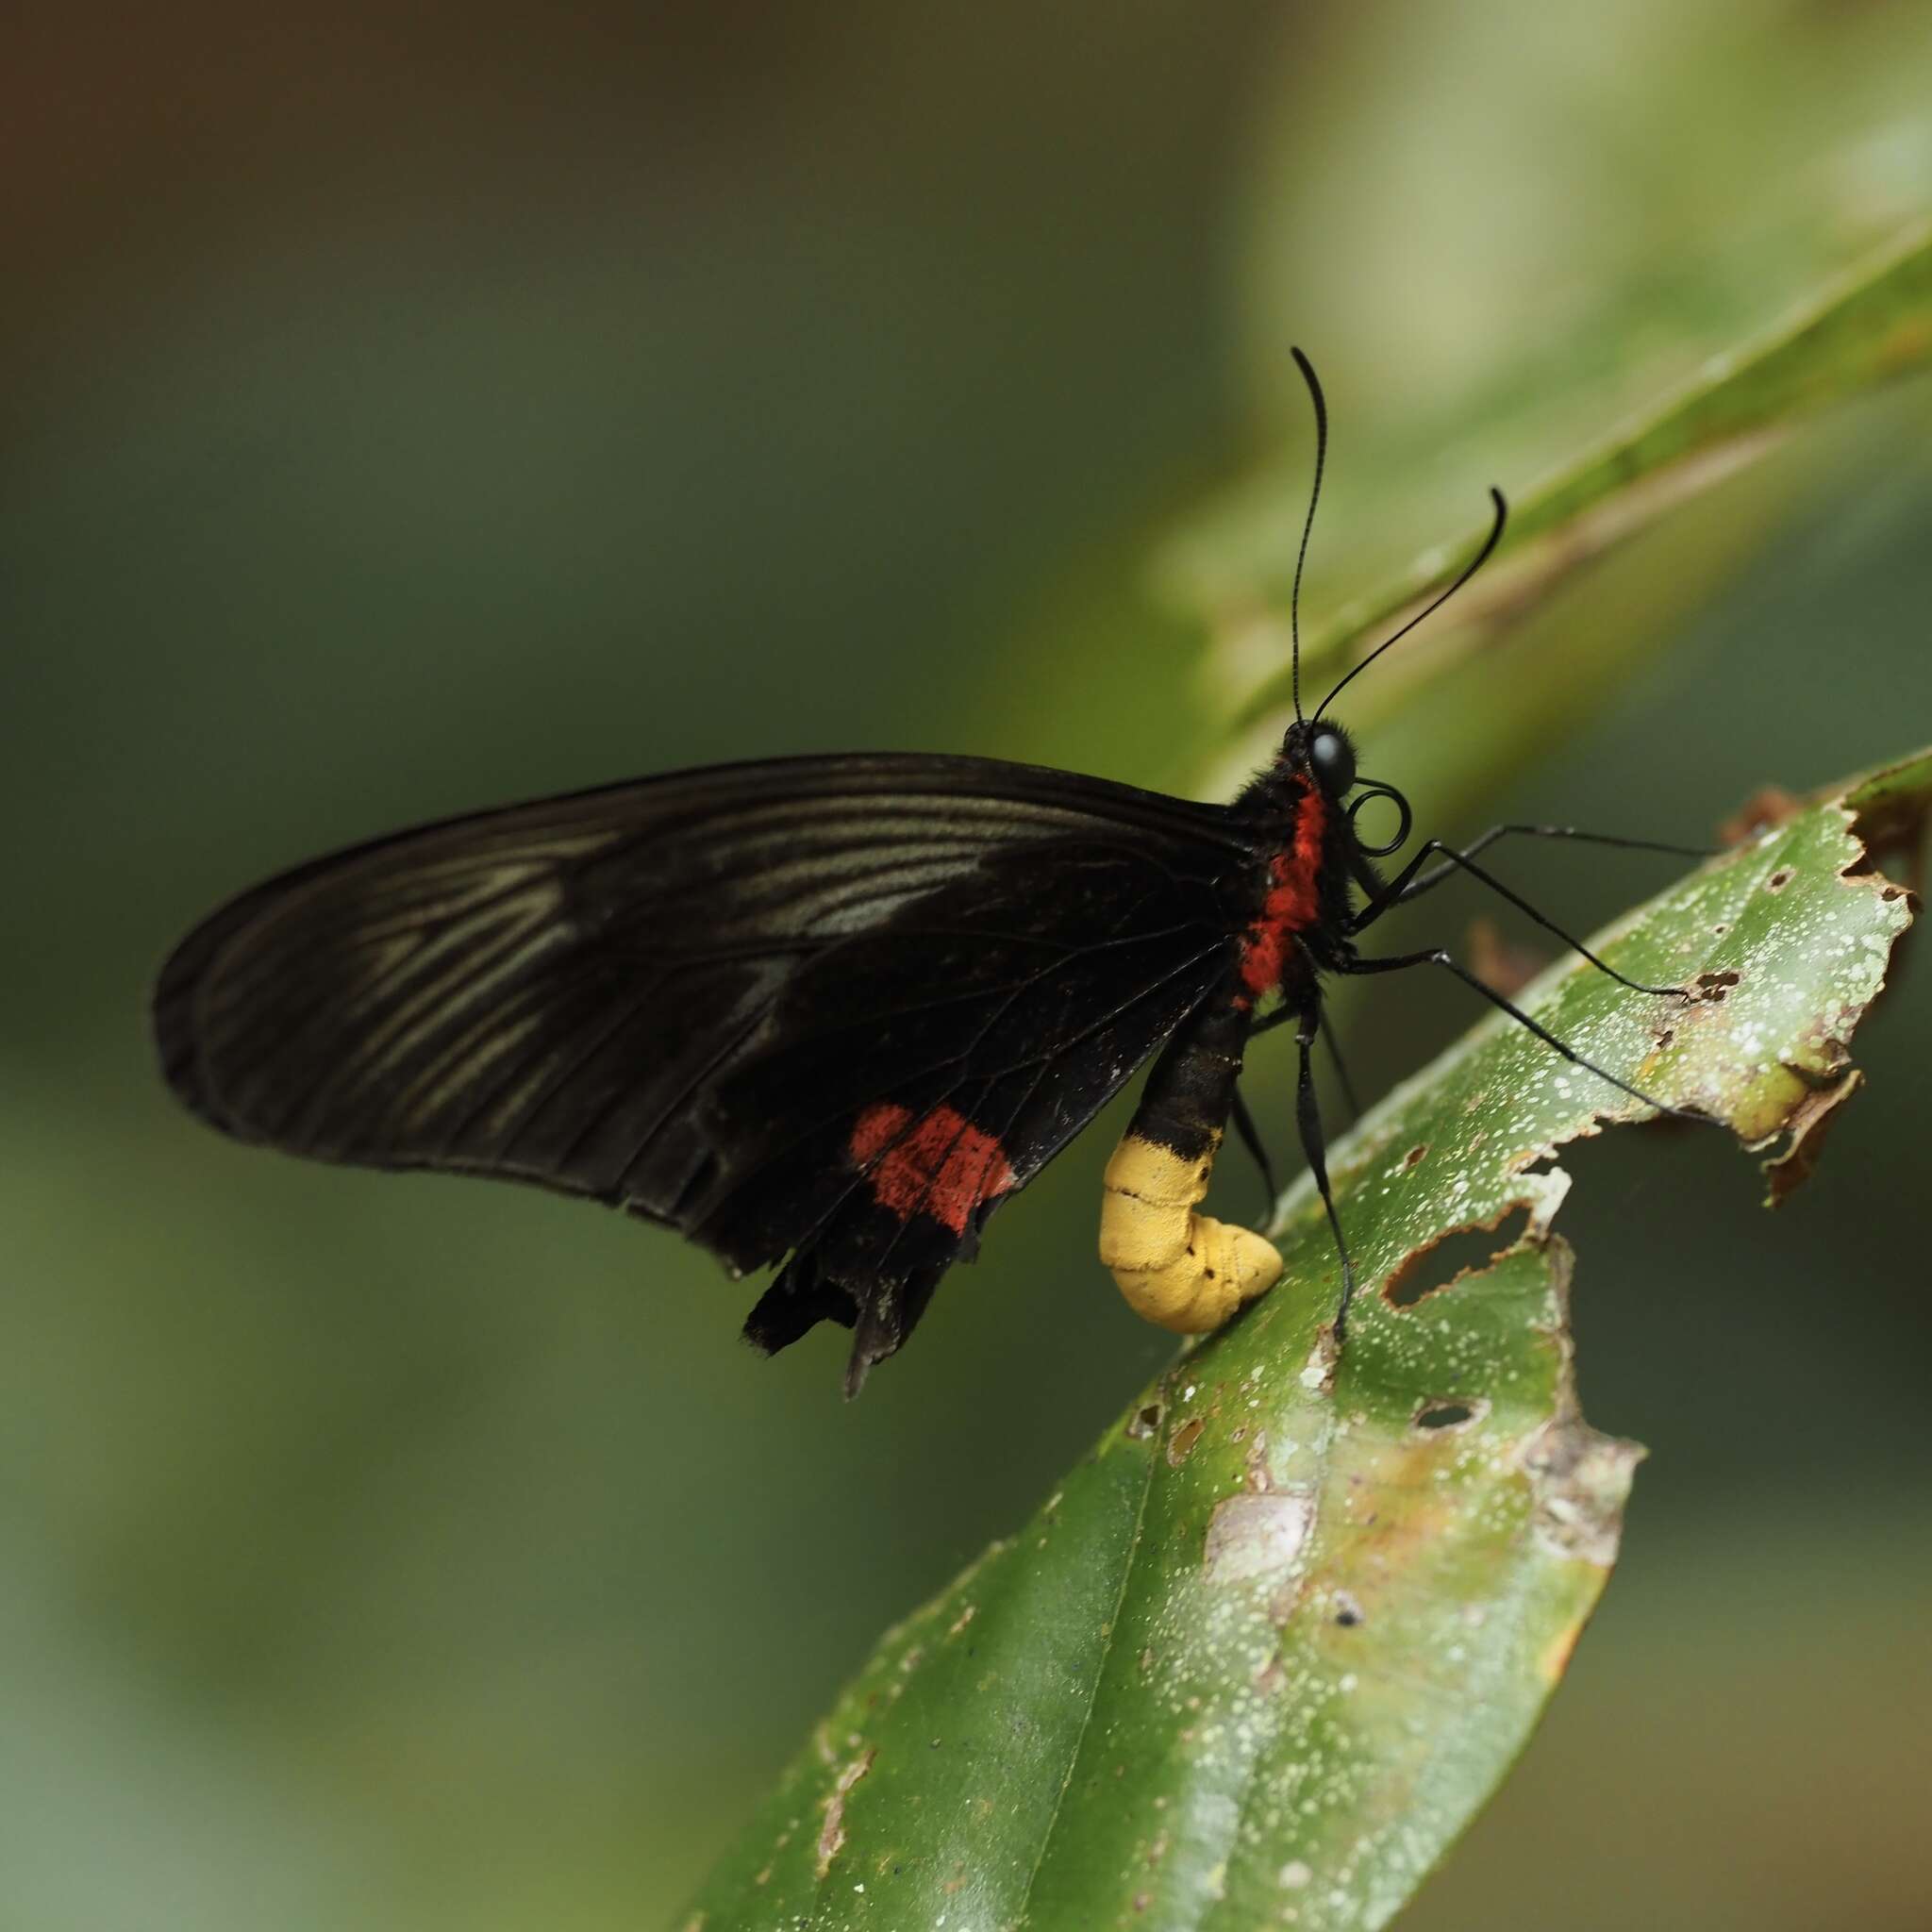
(1294, 606)
(1474, 565)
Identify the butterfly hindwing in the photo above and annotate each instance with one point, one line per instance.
(917, 1077)
(835, 1007)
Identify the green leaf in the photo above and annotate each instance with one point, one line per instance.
(1234, 566)
(1263, 1654)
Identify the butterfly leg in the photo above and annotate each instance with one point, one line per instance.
(1251, 1138)
(1307, 1115)
(1400, 962)
(1178, 1268)
(1334, 1046)
(1251, 1134)
(1412, 882)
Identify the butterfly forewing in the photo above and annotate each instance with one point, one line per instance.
(836, 1008)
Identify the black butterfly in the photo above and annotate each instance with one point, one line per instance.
(823, 1012)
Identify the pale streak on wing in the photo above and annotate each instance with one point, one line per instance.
(524, 992)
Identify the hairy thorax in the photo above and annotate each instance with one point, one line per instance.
(1302, 888)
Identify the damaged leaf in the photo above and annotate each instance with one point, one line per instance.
(1270, 1646)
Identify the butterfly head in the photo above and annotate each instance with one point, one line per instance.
(1322, 755)
(1322, 752)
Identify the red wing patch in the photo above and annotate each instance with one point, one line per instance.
(940, 1165)
(1293, 902)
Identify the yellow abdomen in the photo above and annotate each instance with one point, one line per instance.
(1178, 1269)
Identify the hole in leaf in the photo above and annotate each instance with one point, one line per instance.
(1445, 1262)
(1414, 1154)
(1146, 1421)
(1713, 985)
(1447, 1414)
(1779, 879)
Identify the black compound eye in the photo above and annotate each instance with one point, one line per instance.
(1333, 759)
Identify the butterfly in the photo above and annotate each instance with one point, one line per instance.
(825, 1014)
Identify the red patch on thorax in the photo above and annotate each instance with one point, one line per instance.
(1293, 902)
(940, 1165)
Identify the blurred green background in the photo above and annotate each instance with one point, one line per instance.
(408, 410)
